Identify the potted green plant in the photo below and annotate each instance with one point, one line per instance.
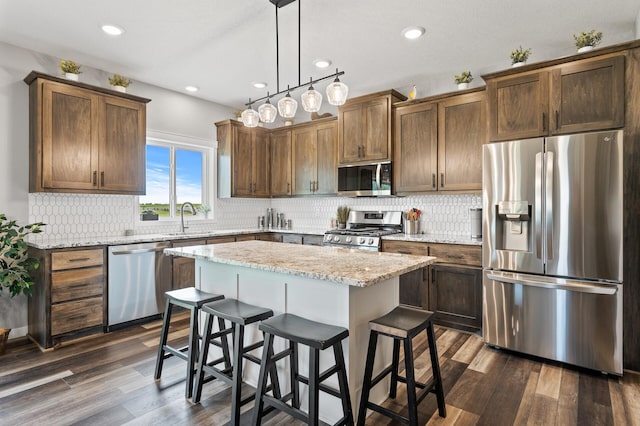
(119, 82)
(15, 263)
(205, 209)
(463, 80)
(70, 69)
(519, 56)
(343, 216)
(587, 41)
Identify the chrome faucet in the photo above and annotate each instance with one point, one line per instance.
(193, 212)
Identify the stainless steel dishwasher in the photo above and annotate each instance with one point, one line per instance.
(139, 274)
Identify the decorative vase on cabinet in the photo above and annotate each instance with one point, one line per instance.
(71, 76)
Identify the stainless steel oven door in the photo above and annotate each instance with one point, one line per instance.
(573, 321)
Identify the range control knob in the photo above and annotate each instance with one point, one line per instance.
(348, 239)
(336, 239)
(361, 240)
(371, 241)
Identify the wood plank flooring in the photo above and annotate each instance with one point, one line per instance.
(108, 380)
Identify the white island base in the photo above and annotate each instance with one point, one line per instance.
(348, 306)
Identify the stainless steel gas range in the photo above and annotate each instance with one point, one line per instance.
(364, 230)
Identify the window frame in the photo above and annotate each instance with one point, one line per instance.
(176, 142)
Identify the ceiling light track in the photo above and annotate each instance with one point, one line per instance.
(311, 100)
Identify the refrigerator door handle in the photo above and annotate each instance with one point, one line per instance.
(569, 285)
(549, 204)
(538, 206)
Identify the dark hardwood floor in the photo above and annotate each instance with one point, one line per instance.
(108, 380)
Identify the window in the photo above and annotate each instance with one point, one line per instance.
(176, 173)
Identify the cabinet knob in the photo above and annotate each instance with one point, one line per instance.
(441, 180)
(95, 178)
(557, 120)
(102, 178)
(433, 180)
(544, 122)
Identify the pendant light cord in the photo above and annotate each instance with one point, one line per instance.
(277, 54)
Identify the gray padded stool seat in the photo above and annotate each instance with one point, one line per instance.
(402, 324)
(189, 298)
(240, 314)
(317, 336)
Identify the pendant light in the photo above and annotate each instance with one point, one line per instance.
(287, 106)
(267, 111)
(250, 117)
(311, 99)
(337, 92)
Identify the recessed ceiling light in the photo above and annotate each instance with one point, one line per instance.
(191, 88)
(112, 30)
(259, 84)
(412, 33)
(322, 63)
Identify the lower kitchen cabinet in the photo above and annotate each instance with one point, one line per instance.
(68, 295)
(455, 295)
(184, 268)
(451, 287)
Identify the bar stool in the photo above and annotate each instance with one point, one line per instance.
(402, 324)
(240, 314)
(317, 336)
(189, 298)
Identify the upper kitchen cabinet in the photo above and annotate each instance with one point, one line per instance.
(438, 143)
(550, 99)
(84, 139)
(364, 128)
(280, 163)
(243, 160)
(313, 149)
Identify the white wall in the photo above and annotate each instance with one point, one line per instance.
(638, 24)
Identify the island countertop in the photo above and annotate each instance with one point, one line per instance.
(359, 268)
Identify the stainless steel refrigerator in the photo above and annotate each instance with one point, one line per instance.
(552, 248)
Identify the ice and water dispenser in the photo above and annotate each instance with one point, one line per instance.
(513, 227)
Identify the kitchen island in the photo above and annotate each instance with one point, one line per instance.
(344, 287)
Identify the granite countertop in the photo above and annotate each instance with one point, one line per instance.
(354, 267)
(435, 238)
(141, 238)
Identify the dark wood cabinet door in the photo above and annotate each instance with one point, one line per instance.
(184, 272)
(588, 95)
(242, 184)
(518, 106)
(377, 138)
(122, 130)
(326, 167)
(416, 148)
(280, 163)
(69, 138)
(304, 153)
(260, 171)
(461, 132)
(351, 128)
(455, 295)
(413, 288)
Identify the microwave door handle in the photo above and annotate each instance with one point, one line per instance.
(378, 169)
(538, 206)
(549, 203)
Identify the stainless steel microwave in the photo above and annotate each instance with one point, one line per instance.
(369, 180)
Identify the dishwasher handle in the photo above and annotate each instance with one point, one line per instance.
(141, 250)
(580, 287)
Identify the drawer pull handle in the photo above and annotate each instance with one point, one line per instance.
(79, 259)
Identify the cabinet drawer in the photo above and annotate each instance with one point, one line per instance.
(245, 237)
(405, 247)
(220, 240)
(185, 243)
(72, 316)
(292, 239)
(77, 284)
(76, 259)
(456, 253)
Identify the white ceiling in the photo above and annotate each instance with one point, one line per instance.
(224, 45)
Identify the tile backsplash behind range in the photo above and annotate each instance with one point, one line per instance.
(101, 215)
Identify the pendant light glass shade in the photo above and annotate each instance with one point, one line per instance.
(287, 106)
(311, 100)
(337, 92)
(250, 117)
(267, 111)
